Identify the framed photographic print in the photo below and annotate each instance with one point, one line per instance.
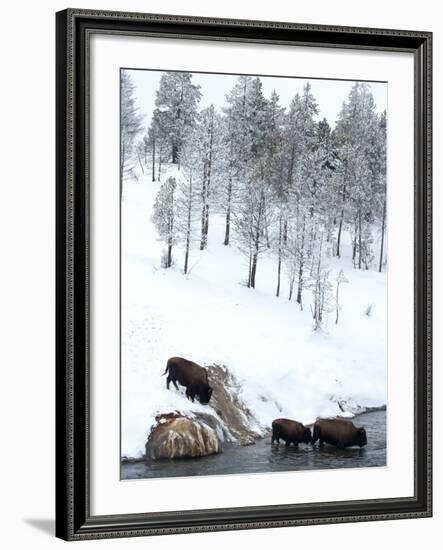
(243, 274)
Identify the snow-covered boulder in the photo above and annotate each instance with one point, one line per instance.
(176, 436)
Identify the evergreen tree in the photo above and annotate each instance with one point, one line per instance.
(130, 121)
(207, 129)
(164, 217)
(358, 135)
(176, 103)
(321, 288)
(188, 196)
(235, 144)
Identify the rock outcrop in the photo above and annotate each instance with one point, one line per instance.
(177, 436)
(242, 426)
(196, 433)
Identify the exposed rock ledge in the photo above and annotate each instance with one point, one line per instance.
(195, 433)
(177, 436)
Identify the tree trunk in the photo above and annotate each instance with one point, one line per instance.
(280, 236)
(208, 183)
(291, 286)
(359, 240)
(285, 232)
(159, 171)
(249, 268)
(257, 241)
(340, 226)
(169, 260)
(228, 213)
(301, 267)
(380, 266)
(253, 269)
(140, 162)
(174, 153)
(342, 214)
(354, 242)
(188, 227)
(203, 214)
(153, 156)
(268, 244)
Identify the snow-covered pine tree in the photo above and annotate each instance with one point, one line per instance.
(255, 212)
(158, 144)
(152, 141)
(176, 103)
(358, 137)
(381, 185)
(188, 195)
(321, 287)
(164, 218)
(130, 124)
(235, 152)
(252, 214)
(296, 254)
(302, 174)
(275, 177)
(207, 136)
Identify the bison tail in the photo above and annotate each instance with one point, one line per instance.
(166, 370)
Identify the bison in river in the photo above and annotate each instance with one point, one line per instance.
(290, 431)
(339, 432)
(192, 376)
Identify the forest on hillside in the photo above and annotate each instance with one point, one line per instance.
(286, 183)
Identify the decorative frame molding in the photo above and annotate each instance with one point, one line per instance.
(73, 30)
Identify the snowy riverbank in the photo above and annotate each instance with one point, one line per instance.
(284, 368)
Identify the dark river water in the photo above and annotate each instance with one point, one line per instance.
(264, 457)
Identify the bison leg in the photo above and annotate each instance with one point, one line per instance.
(314, 436)
(169, 379)
(190, 395)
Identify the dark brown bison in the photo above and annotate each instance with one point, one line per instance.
(290, 431)
(192, 376)
(339, 432)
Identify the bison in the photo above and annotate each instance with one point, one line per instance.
(339, 432)
(290, 431)
(192, 376)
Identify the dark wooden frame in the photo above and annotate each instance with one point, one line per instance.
(73, 518)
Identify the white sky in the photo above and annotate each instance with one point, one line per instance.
(329, 94)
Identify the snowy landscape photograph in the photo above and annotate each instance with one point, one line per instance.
(254, 265)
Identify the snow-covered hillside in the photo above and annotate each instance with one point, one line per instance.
(209, 316)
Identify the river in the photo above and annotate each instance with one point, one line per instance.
(264, 457)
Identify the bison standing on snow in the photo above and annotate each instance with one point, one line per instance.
(190, 375)
(339, 432)
(290, 431)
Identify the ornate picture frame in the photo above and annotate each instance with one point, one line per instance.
(74, 520)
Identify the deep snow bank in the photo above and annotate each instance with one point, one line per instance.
(283, 368)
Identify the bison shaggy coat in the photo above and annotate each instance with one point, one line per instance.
(190, 375)
(339, 432)
(290, 431)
